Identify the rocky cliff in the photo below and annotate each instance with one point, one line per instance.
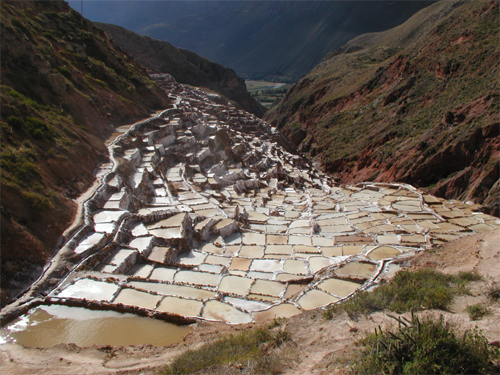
(185, 66)
(64, 88)
(417, 104)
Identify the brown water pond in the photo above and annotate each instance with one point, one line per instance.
(46, 326)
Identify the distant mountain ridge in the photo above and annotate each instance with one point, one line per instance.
(418, 103)
(185, 66)
(271, 40)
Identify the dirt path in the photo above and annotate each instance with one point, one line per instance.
(318, 346)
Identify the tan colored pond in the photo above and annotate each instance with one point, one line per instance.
(46, 326)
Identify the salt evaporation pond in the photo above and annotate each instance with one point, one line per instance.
(187, 231)
(46, 326)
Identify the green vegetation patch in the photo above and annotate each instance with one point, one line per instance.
(477, 311)
(469, 276)
(419, 290)
(64, 71)
(20, 165)
(426, 347)
(267, 93)
(10, 92)
(37, 201)
(247, 347)
(38, 129)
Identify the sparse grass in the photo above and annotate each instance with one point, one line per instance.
(20, 165)
(37, 201)
(492, 290)
(10, 92)
(477, 311)
(294, 126)
(64, 71)
(38, 129)
(249, 348)
(426, 347)
(422, 289)
(469, 276)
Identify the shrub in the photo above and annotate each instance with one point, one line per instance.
(20, 166)
(492, 290)
(469, 276)
(477, 311)
(39, 129)
(15, 122)
(426, 347)
(248, 347)
(10, 92)
(48, 35)
(37, 201)
(422, 289)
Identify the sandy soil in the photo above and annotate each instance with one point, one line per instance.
(317, 346)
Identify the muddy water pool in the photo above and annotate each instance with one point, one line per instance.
(46, 326)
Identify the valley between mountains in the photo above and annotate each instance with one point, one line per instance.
(142, 178)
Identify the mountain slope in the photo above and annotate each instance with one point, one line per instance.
(63, 85)
(418, 103)
(259, 39)
(185, 66)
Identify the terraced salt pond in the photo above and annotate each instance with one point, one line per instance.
(204, 217)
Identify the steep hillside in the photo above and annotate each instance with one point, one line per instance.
(418, 104)
(185, 66)
(271, 40)
(64, 86)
